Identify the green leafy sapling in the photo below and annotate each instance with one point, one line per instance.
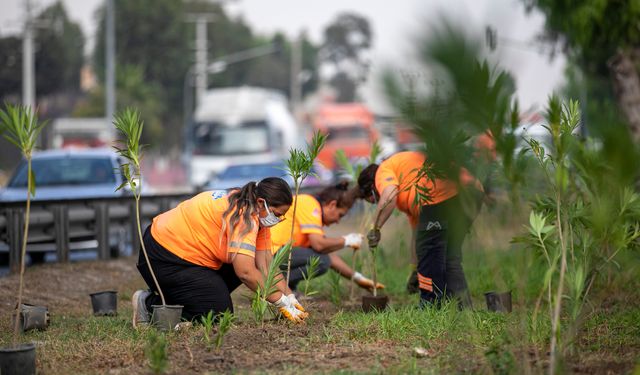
(259, 302)
(310, 273)
(354, 173)
(22, 129)
(129, 124)
(299, 166)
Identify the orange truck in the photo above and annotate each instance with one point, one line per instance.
(350, 127)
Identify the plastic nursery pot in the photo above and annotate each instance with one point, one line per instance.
(33, 317)
(105, 303)
(166, 317)
(18, 360)
(374, 303)
(498, 302)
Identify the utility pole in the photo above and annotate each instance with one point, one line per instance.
(110, 65)
(296, 68)
(201, 51)
(28, 67)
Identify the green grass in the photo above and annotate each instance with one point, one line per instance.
(475, 341)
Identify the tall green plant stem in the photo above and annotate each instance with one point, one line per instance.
(374, 271)
(144, 250)
(295, 206)
(563, 267)
(23, 254)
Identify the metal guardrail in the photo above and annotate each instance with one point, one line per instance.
(57, 225)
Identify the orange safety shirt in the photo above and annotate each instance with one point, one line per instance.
(308, 221)
(194, 232)
(401, 170)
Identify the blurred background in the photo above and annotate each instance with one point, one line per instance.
(238, 82)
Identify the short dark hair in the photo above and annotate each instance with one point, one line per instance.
(367, 180)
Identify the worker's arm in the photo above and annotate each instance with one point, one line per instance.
(263, 262)
(386, 205)
(325, 245)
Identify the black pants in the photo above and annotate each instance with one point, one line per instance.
(441, 232)
(199, 289)
(300, 261)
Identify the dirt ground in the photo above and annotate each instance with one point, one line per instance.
(275, 347)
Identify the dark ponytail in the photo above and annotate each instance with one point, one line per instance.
(243, 202)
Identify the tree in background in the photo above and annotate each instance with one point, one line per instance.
(132, 91)
(603, 39)
(58, 55)
(346, 42)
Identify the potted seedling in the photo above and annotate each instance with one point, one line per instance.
(128, 122)
(22, 129)
(299, 167)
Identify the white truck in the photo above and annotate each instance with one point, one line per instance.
(235, 126)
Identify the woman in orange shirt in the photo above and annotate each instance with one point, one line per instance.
(313, 212)
(208, 245)
(439, 225)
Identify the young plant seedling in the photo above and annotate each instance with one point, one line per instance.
(354, 173)
(156, 352)
(22, 128)
(259, 303)
(225, 322)
(208, 321)
(299, 167)
(128, 122)
(335, 291)
(311, 273)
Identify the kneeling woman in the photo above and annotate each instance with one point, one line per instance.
(309, 240)
(208, 245)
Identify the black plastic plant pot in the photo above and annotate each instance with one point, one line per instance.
(33, 317)
(166, 317)
(18, 360)
(498, 302)
(105, 303)
(374, 303)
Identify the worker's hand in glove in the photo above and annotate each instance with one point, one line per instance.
(294, 302)
(289, 311)
(364, 282)
(373, 237)
(353, 240)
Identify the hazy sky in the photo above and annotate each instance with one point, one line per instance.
(395, 24)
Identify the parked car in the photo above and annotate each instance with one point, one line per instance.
(239, 174)
(68, 174)
(64, 175)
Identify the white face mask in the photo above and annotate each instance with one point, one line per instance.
(269, 220)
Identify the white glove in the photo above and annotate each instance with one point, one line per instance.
(294, 302)
(353, 240)
(364, 282)
(289, 311)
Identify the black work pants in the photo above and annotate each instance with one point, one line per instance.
(441, 231)
(199, 289)
(300, 261)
